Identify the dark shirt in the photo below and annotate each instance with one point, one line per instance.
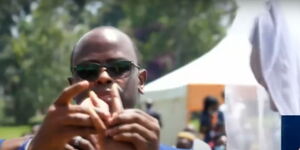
(209, 131)
(155, 115)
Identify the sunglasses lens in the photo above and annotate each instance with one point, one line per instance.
(119, 68)
(88, 72)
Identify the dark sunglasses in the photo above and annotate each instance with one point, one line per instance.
(90, 71)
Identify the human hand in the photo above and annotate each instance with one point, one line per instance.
(105, 109)
(64, 121)
(136, 127)
(79, 143)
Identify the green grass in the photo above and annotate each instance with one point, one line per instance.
(7, 132)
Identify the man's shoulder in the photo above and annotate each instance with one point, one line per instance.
(166, 147)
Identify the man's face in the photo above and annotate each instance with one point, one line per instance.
(107, 49)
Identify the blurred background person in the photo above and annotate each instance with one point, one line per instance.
(152, 112)
(188, 138)
(211, 122)
(185, 140)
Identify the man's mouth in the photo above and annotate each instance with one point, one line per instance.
(105, 95)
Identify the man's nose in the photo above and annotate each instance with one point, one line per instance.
(104, 77)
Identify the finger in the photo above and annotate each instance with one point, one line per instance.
(81, 143)
(93, 140)
(69, 147)
(104, 115)
(94, 99)
(66, 97)
(135, 116)
(72, 131)
(134, 138)
(116, 103)
(132, 128)
(77, 119)
(98, 123)
(101, 107)
(99, 104)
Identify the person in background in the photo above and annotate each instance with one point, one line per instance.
(212, 121)
(185, 140)
(151, 112)
(188, 138)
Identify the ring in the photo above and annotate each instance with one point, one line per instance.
(77, 140)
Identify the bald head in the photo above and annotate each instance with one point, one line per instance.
(104, 38)
(106, 46)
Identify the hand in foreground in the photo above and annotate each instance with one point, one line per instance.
(136, 127)
(64, 121)
(108, 108)
(127, 129)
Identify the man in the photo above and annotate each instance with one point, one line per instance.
(106, 75)
(106, 82)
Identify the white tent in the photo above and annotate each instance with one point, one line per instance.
(227, 64)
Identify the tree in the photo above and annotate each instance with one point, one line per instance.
(35, 61)
(172, 33)
(36, 37)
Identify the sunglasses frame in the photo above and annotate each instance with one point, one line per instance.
(107, 66)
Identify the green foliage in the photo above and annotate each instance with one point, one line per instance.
(35, 63)
(37, 36)
(171, 33)
(8, 132)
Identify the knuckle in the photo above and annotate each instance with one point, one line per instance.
(133, 127)
(52, 109)
(84, 109)
(135, 135)
(84, 142)
(156, 128)
(65, 90)
(152, 137)
(156, 122)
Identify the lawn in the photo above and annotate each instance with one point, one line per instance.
(7, 132)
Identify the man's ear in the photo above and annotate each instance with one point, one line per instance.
(70, 80)
(142, 80)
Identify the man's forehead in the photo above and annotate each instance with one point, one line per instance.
(102, 40)
(103, 34)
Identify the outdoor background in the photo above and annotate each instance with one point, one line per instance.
(37, 36)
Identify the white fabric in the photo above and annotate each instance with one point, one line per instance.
(200, 145)
(227, 63)
(276, 59)
(249, 122)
